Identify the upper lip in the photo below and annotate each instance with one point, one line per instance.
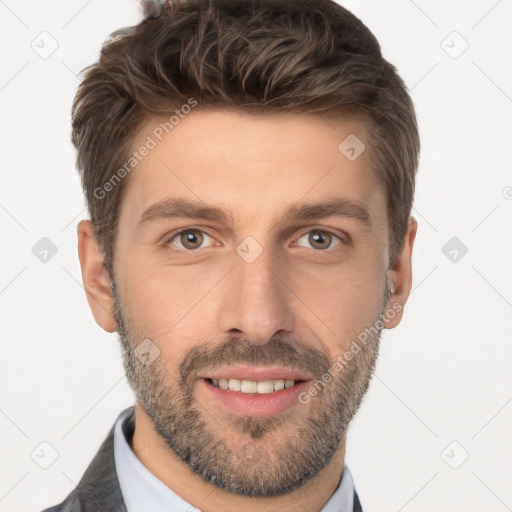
(256, 373)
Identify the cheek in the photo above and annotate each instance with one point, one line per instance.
(341, 303)
(164, 305)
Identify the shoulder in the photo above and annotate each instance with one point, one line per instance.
(98, 490)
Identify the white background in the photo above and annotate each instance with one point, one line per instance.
(444, 374)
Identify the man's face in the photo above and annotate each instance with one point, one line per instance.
(257, 289)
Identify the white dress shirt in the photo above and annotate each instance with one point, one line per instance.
(144, 492)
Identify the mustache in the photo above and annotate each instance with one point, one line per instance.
(236, 351)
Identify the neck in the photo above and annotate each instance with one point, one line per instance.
(168, 467)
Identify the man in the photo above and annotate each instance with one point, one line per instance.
(249, 169)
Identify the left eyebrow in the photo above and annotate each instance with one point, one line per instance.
(182, 207)
(335, 207)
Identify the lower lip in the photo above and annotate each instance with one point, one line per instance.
(255, 404)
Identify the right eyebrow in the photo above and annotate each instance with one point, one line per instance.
(181, 207)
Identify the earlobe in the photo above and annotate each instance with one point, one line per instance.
(95, 277)
(400, 277)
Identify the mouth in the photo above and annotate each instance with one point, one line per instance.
(254, 396)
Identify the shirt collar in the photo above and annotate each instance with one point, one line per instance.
(143, 491)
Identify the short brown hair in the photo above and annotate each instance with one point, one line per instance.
(252, 55)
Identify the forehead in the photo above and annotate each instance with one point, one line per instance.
(257, 164)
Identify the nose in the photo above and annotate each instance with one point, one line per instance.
(256, 299)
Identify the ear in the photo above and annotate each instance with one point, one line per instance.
(400, 277)
(95, 277)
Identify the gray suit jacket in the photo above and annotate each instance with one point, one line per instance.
(99, 490)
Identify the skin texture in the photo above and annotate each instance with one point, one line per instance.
(299, 304)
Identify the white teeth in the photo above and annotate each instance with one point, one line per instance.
(234, 384)
(252, 386)
(266, 386)
(248, 386)
(279, 384)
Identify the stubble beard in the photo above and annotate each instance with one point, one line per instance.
(247, 455)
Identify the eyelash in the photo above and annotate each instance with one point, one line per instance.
(168, 243)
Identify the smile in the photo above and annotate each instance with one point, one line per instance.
(254, 398)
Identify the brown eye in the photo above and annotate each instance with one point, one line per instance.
(321, 240)
(191, 239)
(187, 240)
